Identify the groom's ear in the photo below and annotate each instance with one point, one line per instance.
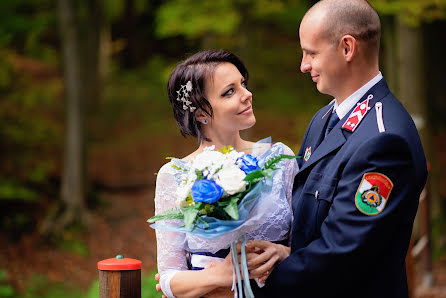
(349, 47)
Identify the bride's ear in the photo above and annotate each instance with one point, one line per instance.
(201, 116)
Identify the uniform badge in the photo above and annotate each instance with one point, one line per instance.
(373, 193)
(307, 153)
(357, 115)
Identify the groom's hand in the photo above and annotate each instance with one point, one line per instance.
(266, 256)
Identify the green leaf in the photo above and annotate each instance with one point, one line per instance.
(190, 214)
(232, 208)
(169, 214)
(254, 175)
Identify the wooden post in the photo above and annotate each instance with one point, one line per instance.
(119, 278)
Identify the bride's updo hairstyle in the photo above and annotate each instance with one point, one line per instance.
(197, 69)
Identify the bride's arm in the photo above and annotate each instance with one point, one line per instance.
(175, 278)
(197, 283)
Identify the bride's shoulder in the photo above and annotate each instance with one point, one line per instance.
(170, 167)
(286, 149)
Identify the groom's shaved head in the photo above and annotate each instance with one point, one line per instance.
(353, 17)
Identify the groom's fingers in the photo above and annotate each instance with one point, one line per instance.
(256, 260)
(264, 269)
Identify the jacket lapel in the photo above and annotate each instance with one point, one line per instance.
(339, 136)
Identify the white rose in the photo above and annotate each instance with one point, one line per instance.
(231, 179)
(182, 193)
(233, 155)
(207, 159)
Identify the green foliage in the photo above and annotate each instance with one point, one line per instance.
(26, 22)
(40, 286)
(28, 135)
(196, 18)
(413, 12)
(148, 284)
(6, 290)
(167, 215)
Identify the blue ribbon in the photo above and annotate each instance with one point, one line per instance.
(244, 270)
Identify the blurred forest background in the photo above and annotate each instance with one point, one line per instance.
(85, 120)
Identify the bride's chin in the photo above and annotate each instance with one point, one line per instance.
(249, 124)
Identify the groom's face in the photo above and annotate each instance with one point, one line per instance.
(321, 58)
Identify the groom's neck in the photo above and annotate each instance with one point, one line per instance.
(354, 81)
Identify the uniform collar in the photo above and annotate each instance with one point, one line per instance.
(342, 109)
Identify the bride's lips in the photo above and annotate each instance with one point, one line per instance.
(248, 110)
(315, 77)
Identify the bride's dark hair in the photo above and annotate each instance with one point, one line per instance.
(197, 69)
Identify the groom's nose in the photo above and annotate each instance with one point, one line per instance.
(305, 66)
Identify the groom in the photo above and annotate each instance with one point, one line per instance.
(363, 167)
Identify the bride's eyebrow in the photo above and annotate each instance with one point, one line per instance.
(242, 79)
(229, 85)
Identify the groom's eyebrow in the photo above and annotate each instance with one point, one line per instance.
(308, 51)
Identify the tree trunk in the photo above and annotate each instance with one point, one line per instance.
(412, 93)
(73, 183)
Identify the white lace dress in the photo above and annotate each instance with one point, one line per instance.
(172, 247)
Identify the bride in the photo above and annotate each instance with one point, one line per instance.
(211, 102)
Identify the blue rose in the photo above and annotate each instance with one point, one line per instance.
(248, 163)
(206, 191)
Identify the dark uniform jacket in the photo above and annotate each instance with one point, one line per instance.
(354, 202)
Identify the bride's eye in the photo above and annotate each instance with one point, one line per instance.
(245, 84)
(228, 93)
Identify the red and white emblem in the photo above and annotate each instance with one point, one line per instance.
(357, 115)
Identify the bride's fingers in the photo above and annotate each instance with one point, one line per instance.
(157, 277)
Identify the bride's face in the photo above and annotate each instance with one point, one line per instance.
(230, 99)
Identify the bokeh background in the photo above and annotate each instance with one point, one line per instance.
(85, 122)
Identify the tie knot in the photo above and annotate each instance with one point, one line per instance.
(334, 119)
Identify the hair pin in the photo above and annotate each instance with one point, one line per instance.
(184, 96)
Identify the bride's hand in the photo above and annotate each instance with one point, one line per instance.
(222, 270)
(158, 286)
(266, 256)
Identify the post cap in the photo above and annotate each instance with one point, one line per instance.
(119, 263)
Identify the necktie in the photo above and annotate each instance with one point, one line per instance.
(334, 119)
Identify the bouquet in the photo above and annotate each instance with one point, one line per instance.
(214, 186)
(217, 198)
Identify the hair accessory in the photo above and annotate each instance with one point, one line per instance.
(183, 96)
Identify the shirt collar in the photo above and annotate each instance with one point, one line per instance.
(342, 109)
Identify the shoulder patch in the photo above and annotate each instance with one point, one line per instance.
(373, 193)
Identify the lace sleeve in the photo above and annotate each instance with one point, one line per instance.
(291, 169)
(171, 256)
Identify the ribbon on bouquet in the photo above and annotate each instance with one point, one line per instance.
(237, 271)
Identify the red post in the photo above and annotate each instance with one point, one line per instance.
(119, 277)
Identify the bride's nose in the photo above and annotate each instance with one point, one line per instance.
(247, 95)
